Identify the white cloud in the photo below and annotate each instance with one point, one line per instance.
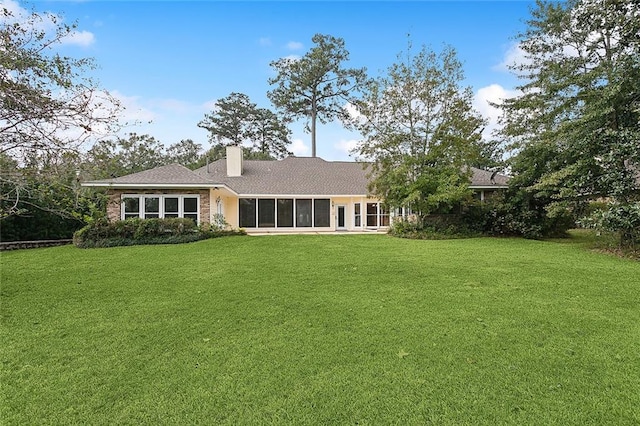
(292, 58)
(43, 21)
(168, 120)
(173, 105)
(346, 145)
(294, 45)
(133, 111)
(299, 148)
(353, 111)
(209, 105)
(496, 94)
(79, 38)
(514, 56)
(14, 9)
(264, 41)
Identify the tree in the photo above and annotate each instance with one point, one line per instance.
(48, 104)
(185, 152)
(49, 203)
(420, 132)
(581, 95)
(316, 86)
(236, 120)
(230, 123)
(270, 134)
(113, 158)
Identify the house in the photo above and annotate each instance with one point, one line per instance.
(293, 194)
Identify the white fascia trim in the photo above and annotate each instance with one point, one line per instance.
(299, 196)
(156, 186)
(488, 186)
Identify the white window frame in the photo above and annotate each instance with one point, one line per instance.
(141, 204)
(378, 215)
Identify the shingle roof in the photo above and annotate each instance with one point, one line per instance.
(291, 176)
(173, 174)
(481, 177)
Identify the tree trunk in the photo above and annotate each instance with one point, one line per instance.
(313, 127)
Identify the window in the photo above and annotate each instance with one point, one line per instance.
(266, 213)
(285, 213)
(247, 212)
(377, 215)
(131, 207)
(372, 214)
(303, 213)
(190, 208)
(150, 206)
(357, 216)
(171, 207)
(384, 215)
(321, 213)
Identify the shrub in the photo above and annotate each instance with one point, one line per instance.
(434, 227)
(623, 219)
(502, 215)
(102, 233)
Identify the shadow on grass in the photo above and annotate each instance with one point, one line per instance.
(599, 241)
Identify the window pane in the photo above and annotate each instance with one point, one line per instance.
(372, 214)
(151, 207)
(357, 218)
(190, 205)
(266, 213)
(132, 205)
(321, 214)
(303, 213)
(247, 207)
(171, 206)
(384, 215)
(285, 213)
(341, 221)
(191, 216)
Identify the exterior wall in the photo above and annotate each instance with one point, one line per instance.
(230, 210)
(349, 203)
(115, 201)
(228, 206)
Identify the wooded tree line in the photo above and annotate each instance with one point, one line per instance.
(570, 137)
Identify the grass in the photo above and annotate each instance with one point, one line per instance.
(364, 329)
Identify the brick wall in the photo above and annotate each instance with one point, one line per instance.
(115, 197)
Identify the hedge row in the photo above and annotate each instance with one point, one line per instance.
(103, 233)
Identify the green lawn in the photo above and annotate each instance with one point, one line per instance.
(362, 329)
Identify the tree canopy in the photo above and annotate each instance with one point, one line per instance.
(47, 101)
(419, 131)
(235, 120)
(581, 99)
(49, 106)
(316, 86)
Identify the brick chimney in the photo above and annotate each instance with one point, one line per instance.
(234, 161)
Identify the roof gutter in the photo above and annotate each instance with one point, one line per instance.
(97, 184)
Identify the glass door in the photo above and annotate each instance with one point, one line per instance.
(340, 217)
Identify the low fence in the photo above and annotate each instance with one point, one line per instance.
(18, 245)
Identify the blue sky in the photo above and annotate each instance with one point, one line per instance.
(168, 62)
